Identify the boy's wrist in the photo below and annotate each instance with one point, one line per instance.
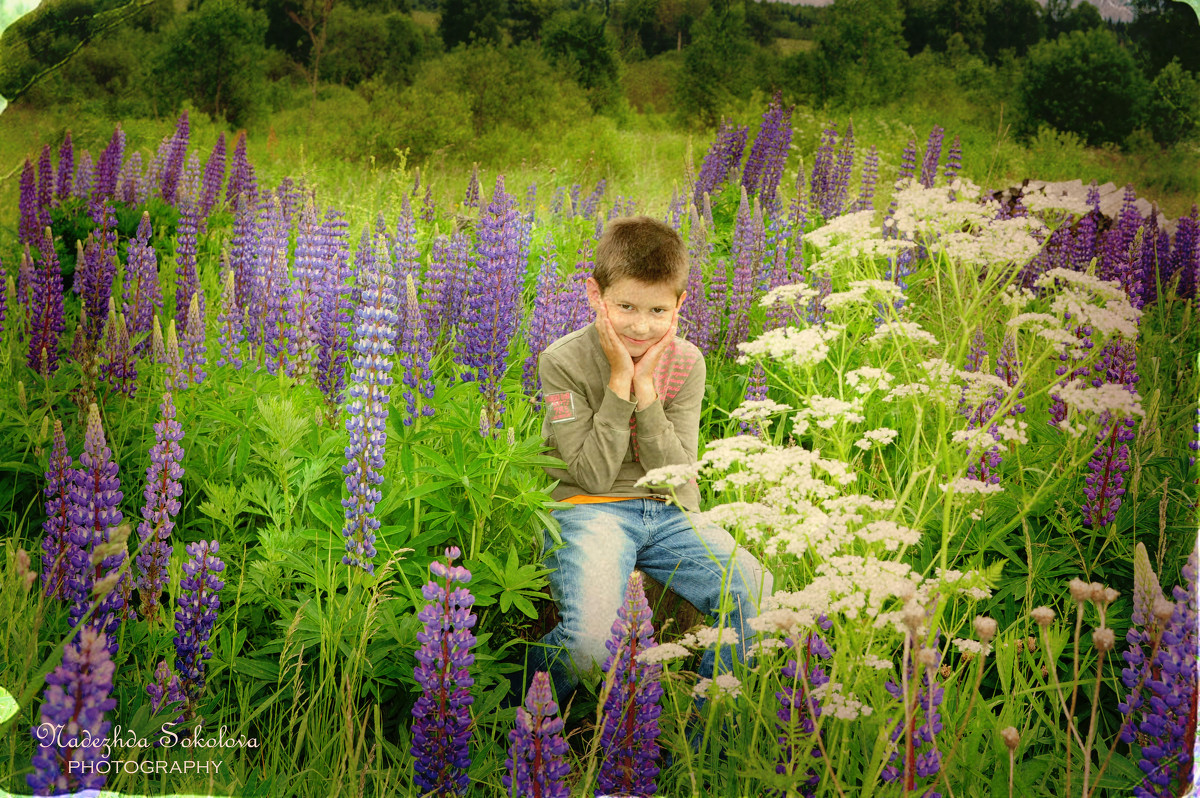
(645, 392)
(621, 386)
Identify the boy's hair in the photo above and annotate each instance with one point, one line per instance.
(642, 249)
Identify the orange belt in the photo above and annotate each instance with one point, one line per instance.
(583, 498)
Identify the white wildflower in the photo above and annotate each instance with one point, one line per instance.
(876, 438)
(968, 485)
(766, 644)
(800, 348)
(901, 329)
(1110, 397)
(1016, 297)
(879, 663)
(757, 409)
(889, 533)
(973, 646)
(1036, 320)
(835, 703)
(706, 637)
(866, 379)
(671, 475)
(723, 684)
(974, 438)
(789, 294)
(1012, 429)
(663, 652)
(854, 226)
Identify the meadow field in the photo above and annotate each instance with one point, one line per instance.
(274, 471)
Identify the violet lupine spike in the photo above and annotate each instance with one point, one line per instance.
(85, 174)
(953, 160)
(1086, 239)
(441, 726)
(45, 186)
(416, 354)
(592, 201)
(821, 183)
(839, 188)
(405, 256)
(471, 200)
(1160, 714)
(933, 153)
(1110, 459)
(29, 227)
(142, 295)
(866, 191)
(366, 407)
(694, 315)
(108, 168)
(77, 696)
(162, 492)
(214, 176)
(541, 321)
(428, 205)
(120, 368)
(718, 297)
(800, 709)
(629, 731)
(1008, 368)
(129, 184)
(165, 690)
(308, 271)
(536, 765)
(101, 267)
(199, 602)
(173, 168)
(764, 165)
(1185, 255)
(756, 390)
(440, 281)
(176, 380)
(242, 189)
(927, 723)
(491, 315)
(723, 158)
(46, 317)
(94, 497)
(908, 166)
(742, 292)
(56, 529)
(187, 281)
(268, 298)
(243, 253)
(230, 331)
(66, 169)
(192, 348)
(331, 347)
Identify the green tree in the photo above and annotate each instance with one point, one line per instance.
(215, 57)
(580, 41)
(715, 64)
(860, 58)
(1085, 83)
(1174, 111)
(1011, 25)
(527, 17)
(1061, 16)
(365, 44)
(466, 21)
(1163, 30)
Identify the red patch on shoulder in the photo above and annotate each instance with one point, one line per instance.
(560, 407)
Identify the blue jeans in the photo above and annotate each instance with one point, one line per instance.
(602, 544)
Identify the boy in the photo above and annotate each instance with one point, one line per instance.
(623, 397)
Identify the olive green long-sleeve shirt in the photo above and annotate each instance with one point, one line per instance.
(607, 443)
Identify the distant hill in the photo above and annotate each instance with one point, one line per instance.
(1118, 10)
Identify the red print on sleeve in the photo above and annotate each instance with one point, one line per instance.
(560, 407)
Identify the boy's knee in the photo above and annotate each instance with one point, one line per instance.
(751, 579)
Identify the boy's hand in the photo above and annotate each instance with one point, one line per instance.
(619, 360)
(643, 370)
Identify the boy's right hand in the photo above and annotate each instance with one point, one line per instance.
(619, 360)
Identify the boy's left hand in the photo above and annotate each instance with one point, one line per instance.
(643, 370)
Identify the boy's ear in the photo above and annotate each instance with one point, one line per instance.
(682, 297)
(593, 294)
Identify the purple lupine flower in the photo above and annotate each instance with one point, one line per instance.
(695, 316)
(142, 295)
(98, 269)
(192, 348)
(922, 760)
(56, 529)
(933, 153)
(266, 315)
(839, 183)
(230, 330)
(535, 766)
(440, 291)
(1008, 368)
(764, 165)
(800, 708)
(542, 330)
(1110, 459)
(85, 174)
(718, 294)
(676, 210)
(428, 206)
(1058, 409)
(366, 409)
(1162, 716)
(908, 166)
(242, 189)
(471, 200)
(45, 187)
(441, 726)
(66, 168)
(214, 176)
(308, 271)
(173, 168)
(1194, 443)
(491, 316)
(78, 694)
(984, 466)
(1185, 255)
(46, 302)
(821, 183)
(176, 380)
(723, 158)
(163, 489)
(953, 160)
(120, 367)
(866, 191)
(95, 497)
(198, 605)
(414, 344)
(756, 390)
(108, 168)
(130, 189)
(333, 331)
(742, 293)
(29, 227)
(291, 198)
(592, 201)
(243, 254)
(1086, 238)
(629, 731)
(187, 281)
(165, 690)
(405, 256)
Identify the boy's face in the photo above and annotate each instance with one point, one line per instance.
(640, 313)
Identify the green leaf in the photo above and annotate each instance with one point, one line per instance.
(257, 669)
